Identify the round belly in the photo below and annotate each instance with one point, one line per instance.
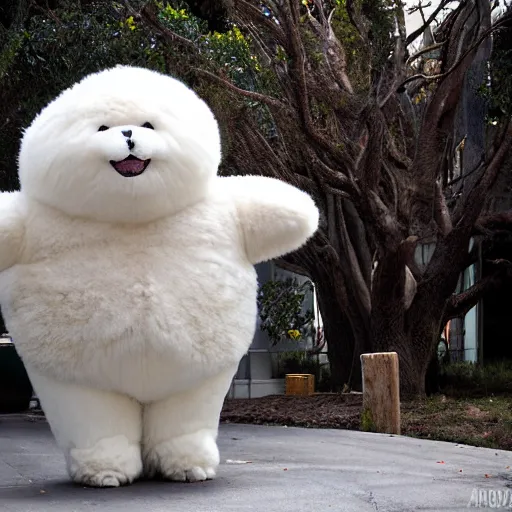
(146, 331)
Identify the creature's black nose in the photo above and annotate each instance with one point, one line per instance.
(131, 144)
(127, 133)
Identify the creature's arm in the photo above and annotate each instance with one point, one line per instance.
(275, 217)
(12, 229)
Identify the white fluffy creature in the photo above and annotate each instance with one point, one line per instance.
(127, 273)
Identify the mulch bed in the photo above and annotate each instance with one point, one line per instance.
(479, 422)
(323, 410)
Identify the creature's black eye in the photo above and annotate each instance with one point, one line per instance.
(102, 128)
(148, 125)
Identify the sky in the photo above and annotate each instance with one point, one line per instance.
(414, 21)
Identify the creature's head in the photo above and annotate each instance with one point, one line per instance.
(123, 145)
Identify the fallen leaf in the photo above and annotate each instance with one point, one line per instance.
(508, 467)
(487, 476)
(440, 461)
(475, 412)
(460, 470)
(285, 469)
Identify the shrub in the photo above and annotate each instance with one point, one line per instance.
(472, 379)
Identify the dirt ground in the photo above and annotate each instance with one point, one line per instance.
(480, 422)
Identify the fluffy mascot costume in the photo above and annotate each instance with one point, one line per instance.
(127, 278)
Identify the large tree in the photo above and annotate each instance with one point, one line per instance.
(337, 113)
(327, 96)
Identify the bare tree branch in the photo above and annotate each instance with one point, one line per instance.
(464, 58)
(262, 98)
(468, 209)
(418, 32)
(358, 20)
(421, 52)
(501, 222)
(459, 304)
(441, 212)
(285, 265)
(440, 109)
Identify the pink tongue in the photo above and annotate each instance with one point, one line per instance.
(130, 165)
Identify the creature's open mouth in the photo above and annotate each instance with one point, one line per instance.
(130, 166)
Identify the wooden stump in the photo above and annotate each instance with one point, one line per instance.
(381, 393)
(301, 384)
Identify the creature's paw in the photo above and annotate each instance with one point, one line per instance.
(109, 463)
(194, 474)
(188, 458)
(101, 479)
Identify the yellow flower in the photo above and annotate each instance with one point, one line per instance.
(130, 23)
(175, 14)
(294, 333)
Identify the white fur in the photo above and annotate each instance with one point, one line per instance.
(275, 217)
(182, 447)
(184, 147)
(12, 229)
(99, 431)
(132, 300)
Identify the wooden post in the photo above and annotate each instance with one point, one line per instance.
(381, 393)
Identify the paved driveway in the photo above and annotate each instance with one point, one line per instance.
(290, 469)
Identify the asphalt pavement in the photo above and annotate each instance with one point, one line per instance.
(269, 469)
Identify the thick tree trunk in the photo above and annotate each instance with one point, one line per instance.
(388, 317)
(347, 335)
(414, 346)
(414, 358)
(346, 344)
(411, 362)
(410, 330)
(390, 328)
(341, 347)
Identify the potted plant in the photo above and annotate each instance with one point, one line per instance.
(281, 310)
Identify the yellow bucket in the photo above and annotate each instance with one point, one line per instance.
(302, 384)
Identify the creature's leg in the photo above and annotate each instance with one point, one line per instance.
(99, 431)
(180, 432)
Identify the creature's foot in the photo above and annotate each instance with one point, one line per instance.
(180, 432)
(111, 462)
(187, 458)
(98, 431)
